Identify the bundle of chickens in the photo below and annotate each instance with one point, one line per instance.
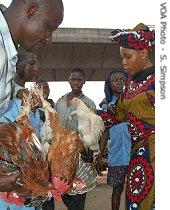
(21, 151)
(48, 167)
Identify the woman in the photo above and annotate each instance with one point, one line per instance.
(136, 106)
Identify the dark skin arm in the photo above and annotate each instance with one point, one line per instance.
(98, 160)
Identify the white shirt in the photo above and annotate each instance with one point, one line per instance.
(8, 60)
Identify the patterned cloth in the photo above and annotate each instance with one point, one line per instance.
(116, 175)
(137, 40)
(136, 106)
(64, 109)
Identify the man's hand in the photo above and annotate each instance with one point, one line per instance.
(35, 101)
(7, 182)
(99, 164)
(87, 156)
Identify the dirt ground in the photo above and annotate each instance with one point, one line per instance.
(98, 198)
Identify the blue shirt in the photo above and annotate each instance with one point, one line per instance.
(120, 143)
(6, 206)
(14, 109)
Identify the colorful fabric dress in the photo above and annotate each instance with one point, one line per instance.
(136, 106)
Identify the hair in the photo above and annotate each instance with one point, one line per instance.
(79, 70)
(118, 70)
(22, 54)
(41, 81)
(20, 66)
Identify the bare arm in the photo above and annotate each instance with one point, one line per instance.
(103, 142)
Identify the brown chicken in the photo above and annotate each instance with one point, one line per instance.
(20, 150)
(63, 154)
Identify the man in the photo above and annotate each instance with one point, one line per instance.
(120, 141)
(64, 108)
(28, 23)
(26, 72)
(46, 91)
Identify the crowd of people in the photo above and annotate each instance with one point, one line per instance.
(127, 110)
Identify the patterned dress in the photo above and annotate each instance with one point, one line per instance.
(136, 106)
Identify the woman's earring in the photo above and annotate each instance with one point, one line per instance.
(144, 57)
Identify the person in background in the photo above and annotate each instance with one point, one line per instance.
(46, 91)
(136, 106)
(49, 204)
(120, 142)
(26, 72)
(64, 108)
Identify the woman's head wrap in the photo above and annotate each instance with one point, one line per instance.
(139, 38)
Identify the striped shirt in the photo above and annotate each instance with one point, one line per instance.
(64, 109)
(8, 59)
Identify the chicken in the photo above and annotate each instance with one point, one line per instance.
(90, 125)
(63, 153)
(20, 150)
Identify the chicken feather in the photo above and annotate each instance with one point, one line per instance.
(63, 153)
(90, 125)
(20, 147)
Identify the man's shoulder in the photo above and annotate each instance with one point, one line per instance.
(89, 102)
(60, 102)
(84, 97)
(62, 98)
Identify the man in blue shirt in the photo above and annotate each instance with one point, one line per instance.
(120, 143)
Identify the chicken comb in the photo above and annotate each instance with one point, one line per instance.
(60, 188)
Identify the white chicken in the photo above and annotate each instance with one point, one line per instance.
(90, 125)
